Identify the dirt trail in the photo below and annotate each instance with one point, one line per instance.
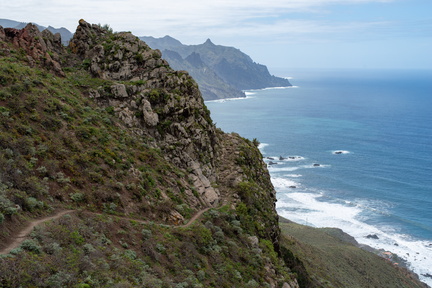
(23, 234)
(195, 217)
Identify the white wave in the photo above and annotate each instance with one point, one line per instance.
(340, 152)
(262, 146)
(277, 88)
(293, 175)
(305, 208)
(283, 183)
(272, 168)
(229, 99)
(249, 93)
(288, 77)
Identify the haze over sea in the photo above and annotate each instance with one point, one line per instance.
(358, 145)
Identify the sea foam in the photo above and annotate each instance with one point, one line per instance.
(307, 209)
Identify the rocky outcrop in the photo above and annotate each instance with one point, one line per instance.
(154, 100)
(41, 48)
(165, 105)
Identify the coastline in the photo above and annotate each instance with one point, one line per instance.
(317, 120)
(335, 245)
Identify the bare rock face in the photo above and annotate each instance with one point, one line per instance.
(2, 34)
(150, 117)
(42, 48)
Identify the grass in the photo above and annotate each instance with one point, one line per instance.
(334, 262)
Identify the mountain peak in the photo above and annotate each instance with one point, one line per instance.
(208, 42)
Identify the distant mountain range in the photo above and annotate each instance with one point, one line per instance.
(66, 35)
(221, 71)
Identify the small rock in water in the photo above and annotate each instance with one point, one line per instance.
(272, 163)
(316, 165)
(372, 236)
(292, 186)
(338, 152)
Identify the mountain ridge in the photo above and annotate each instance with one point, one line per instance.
(230, 67)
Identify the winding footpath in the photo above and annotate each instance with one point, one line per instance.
(23, 234)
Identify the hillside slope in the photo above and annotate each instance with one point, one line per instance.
(332, 258)
(107, 129)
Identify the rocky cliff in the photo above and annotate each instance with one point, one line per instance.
(106, 128)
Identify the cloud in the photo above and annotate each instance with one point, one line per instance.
(193, 21)
(161, 14)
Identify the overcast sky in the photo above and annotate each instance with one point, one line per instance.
(282, 34)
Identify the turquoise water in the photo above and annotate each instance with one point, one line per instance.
(379, 181)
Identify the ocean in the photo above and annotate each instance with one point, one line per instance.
(350, 149)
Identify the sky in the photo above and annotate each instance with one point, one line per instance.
(282, 34)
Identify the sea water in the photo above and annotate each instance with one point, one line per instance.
(350, 149)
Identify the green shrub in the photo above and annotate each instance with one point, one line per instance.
(146, 234)
(32, 203)
(31, 245)
(77, 197)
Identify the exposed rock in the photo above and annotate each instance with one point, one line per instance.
(254, 241)
(372, 236)
(40, 47)
(119, 90)
(150, 118)
(316, 165)
(2, 34)
(292, 284)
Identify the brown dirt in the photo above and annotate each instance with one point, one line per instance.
(24, 233)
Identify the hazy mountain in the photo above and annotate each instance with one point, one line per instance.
(228, 65)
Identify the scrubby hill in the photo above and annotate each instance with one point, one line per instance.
(107, 129)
